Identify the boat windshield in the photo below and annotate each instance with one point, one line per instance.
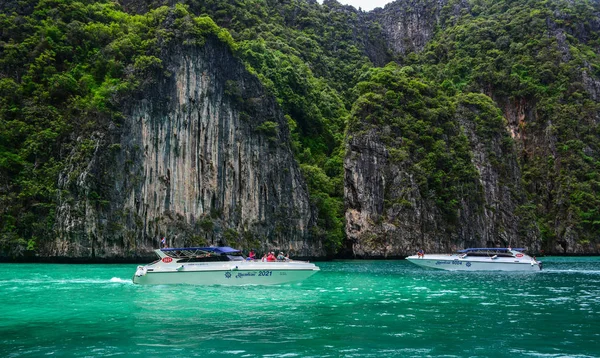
(204, 254)
(189, 252)
(489, 253)
(207, 258)
(235, 258)
(185, 253)
(498, 252)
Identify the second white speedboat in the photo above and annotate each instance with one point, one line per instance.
(480, 259)
(218, 266)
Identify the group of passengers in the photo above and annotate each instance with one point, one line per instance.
(270, 256)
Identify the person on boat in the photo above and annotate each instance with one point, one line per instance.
(251, 255)
(287, 257)
(264, 258)
(271, 257)
(280, 257)
(163, 241)
(420, 253)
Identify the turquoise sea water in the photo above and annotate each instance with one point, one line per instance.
(349, 309)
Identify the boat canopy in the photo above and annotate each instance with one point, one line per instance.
(197, 252)
(216, 250)
(491, 249)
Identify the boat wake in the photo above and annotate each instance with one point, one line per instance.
(585, 272)
(120, 280)
(66, 281)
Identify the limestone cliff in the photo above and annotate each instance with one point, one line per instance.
(201, 157)
(533, 166)
(408, 25)
(389, 215)
(493, 140)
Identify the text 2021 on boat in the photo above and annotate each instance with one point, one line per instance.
(480, 259)
(218, 266)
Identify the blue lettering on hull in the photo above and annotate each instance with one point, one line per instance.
(247, 274)
(448, 262)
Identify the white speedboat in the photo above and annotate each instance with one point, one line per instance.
(218, 266)
(480, 259)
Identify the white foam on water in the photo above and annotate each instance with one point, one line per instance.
(548, 355)
(120, 280)
(409, 351)
(558, 299)
(588, 272)
(67, 281)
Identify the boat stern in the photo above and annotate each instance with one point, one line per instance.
(139, 272)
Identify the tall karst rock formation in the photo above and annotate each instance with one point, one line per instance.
(511, 187)
(468, 123)
(202, 157)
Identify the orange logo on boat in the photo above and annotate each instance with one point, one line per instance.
(167, 260)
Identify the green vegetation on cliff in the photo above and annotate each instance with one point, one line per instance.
(305, 54)
(64, 66)
(415, 120)
(539, 58)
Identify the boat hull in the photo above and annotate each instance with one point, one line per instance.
(225, 276)
(454, 263)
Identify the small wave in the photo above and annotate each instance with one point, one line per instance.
(589, 272)
(65, 281)
(552, 355)
(559, 299)
(120, 280)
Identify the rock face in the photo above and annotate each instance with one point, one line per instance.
(487, 216)
(499, 215)
(538, 141)
(408, 25)
(201, 157)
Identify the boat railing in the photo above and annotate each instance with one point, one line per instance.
(489, 254)
(181, 254)
(290, 260)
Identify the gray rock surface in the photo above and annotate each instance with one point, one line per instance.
(388, 215)
(200, 157)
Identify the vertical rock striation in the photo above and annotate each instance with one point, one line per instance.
(389, 215)
(543, 134)
(408, 25)
(201, 157)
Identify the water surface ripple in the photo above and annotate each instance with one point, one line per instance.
(349, 309)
